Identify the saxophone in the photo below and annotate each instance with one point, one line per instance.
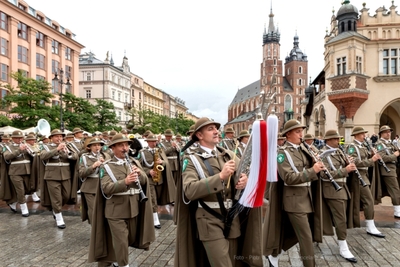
(157, 168)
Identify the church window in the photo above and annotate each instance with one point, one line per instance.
(300, 70)
(288, 102)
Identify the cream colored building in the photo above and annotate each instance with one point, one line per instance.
(359, 85)
(37, 46)
(153, 99)
(103, 80)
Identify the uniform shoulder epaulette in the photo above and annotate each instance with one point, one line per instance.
(283, 147)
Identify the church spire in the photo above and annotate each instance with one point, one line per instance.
(273, 34)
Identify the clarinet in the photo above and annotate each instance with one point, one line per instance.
(381, 162)
(142, 197)
(326, 172)
(363, 183)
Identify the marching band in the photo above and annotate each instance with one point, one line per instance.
(115, 175)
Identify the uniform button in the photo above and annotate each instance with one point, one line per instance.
(215, 189)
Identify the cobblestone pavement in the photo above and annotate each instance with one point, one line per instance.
(36, 241)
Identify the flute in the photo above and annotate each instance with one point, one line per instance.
(142, 197)
(326, 172)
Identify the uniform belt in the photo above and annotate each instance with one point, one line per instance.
(344, 179)
(58, 164)
(303, 184)
(215, 205)
(130, 192)
(20, 162)
(94, 176)
(172, 157)
(362, 168)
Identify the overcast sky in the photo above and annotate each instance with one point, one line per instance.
(200, 51)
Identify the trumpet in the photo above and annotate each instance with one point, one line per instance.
(363, 183)
(66, 150)
(142, 197)
(326, 172)
(29, 149)
(72, 147)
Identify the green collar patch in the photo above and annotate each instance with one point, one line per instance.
(351, 150)
(281, 158)
(138, 156)
(379, 147)
(101, 173)
(185, 163)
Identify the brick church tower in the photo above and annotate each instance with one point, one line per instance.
(288, 81)
(290, 85)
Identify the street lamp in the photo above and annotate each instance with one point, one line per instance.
(61, 82)
(176, 122)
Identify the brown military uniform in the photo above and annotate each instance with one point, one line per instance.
(298, 196)
(19, 170)
(58, 175)
(336, 200)
(229, 144)
(90, 179)
(121, 205)
(172, 154)
(162, 191)
(386, 150)
(362, 161)
(220, 251)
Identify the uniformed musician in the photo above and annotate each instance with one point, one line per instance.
(89, 167)
(16, 154)
(30, 141)
(229, 139)
(58, 177)
(336, 201)
(363, 160)
(243, 139)
(206, 171)
(77, 142)
(161, 182)
(389, 153)
(172, 150)
(297, 170)
(119, 182)
(281, 140)
(179, 141)
(309, 139)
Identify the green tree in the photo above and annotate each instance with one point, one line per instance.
(105, 117)
(30, 102)
(147, 120)
(4, 121)
(79, 112)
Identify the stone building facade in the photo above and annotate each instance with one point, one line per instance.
(359, 85)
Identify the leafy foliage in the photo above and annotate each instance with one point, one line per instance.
(105, 117)
(147, 120)
(30, 101)
(79, 112)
